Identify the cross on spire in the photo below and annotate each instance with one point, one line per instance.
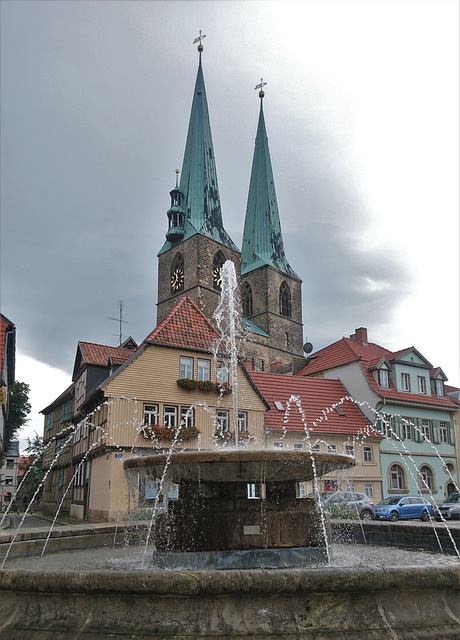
(199, 39)
(260, 86)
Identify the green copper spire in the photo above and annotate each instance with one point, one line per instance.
(262, 239)
(198, 184)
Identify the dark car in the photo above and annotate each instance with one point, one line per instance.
(403, 508)
(358, 502)
(449, 509)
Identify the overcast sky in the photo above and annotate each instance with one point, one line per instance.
(361, 110)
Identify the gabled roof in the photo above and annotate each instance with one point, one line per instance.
(91, 353)
(262, 238)
(403, 396)
(344, 351)
(318, 398)
(186, 327)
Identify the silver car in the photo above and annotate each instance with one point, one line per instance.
(449, 509)
(357, 501)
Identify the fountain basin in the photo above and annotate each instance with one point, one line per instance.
(419, 603)
(240, 465)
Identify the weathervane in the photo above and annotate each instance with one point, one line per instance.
(260, 86)
(199, 39)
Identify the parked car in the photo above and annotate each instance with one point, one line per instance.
(449, 509)
(403, 508)
(359, 502)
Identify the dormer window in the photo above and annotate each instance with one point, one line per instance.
(440, 388)
(384, 379)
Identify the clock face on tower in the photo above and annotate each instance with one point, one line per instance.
(217, 277)
(177, 279)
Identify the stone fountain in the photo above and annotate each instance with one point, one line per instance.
(213, 524)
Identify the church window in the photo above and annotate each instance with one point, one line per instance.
(285, 301)
(247, 300)
(177, 274)
(286, 339)
(217, 265)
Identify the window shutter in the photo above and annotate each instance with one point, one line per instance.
(435, 431)
(396, 426)
(418, 437)
(452, 433)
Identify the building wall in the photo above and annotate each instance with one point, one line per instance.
(365, 476)
(198, 254)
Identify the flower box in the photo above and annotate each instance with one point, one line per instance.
(222, 388)
(163, 432)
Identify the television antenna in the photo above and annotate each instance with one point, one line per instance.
(120, 321)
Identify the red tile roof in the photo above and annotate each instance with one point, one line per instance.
(403, 396)
(347, 351)
(99, 354)
(344, 351)
(187, 327)
(5, 325)
(318, 398)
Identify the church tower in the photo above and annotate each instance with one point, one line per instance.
(270, 288)
(197, 245)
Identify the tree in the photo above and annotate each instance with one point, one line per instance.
(18, 410)
(31, 467)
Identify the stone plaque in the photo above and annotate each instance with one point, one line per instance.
(251, 530)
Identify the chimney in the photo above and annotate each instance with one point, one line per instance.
(360, 335)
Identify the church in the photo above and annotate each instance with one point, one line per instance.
(197, 245)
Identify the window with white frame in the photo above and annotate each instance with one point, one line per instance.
(406, 429)
(187, 416)
(350, 449)
(256, 491)
(439, 388)
(384, 426)
(170, 416)
(9, 480)
(405, 382)
(298, 446)
(426, 478)
(242, 421)
(204, 369)
(186, 367)
(222, 419)
(332, 448)
(369, 489)
(368, 455)
(444, 432)
(150, 414)
(384, 378)
(315, 447)
(77, 433)
(425, 429)
(301, 490)
(397, 477)
(421, 384)
(278, 445)
(222, 372)
(10, 463)
(351, 486)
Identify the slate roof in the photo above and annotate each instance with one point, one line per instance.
(185, 327)
(317, 397)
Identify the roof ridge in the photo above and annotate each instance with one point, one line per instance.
(184, 300)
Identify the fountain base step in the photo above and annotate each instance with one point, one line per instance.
(241, 558)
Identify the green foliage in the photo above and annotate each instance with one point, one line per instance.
(32, 466)
(18, 410)
(342, 511)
